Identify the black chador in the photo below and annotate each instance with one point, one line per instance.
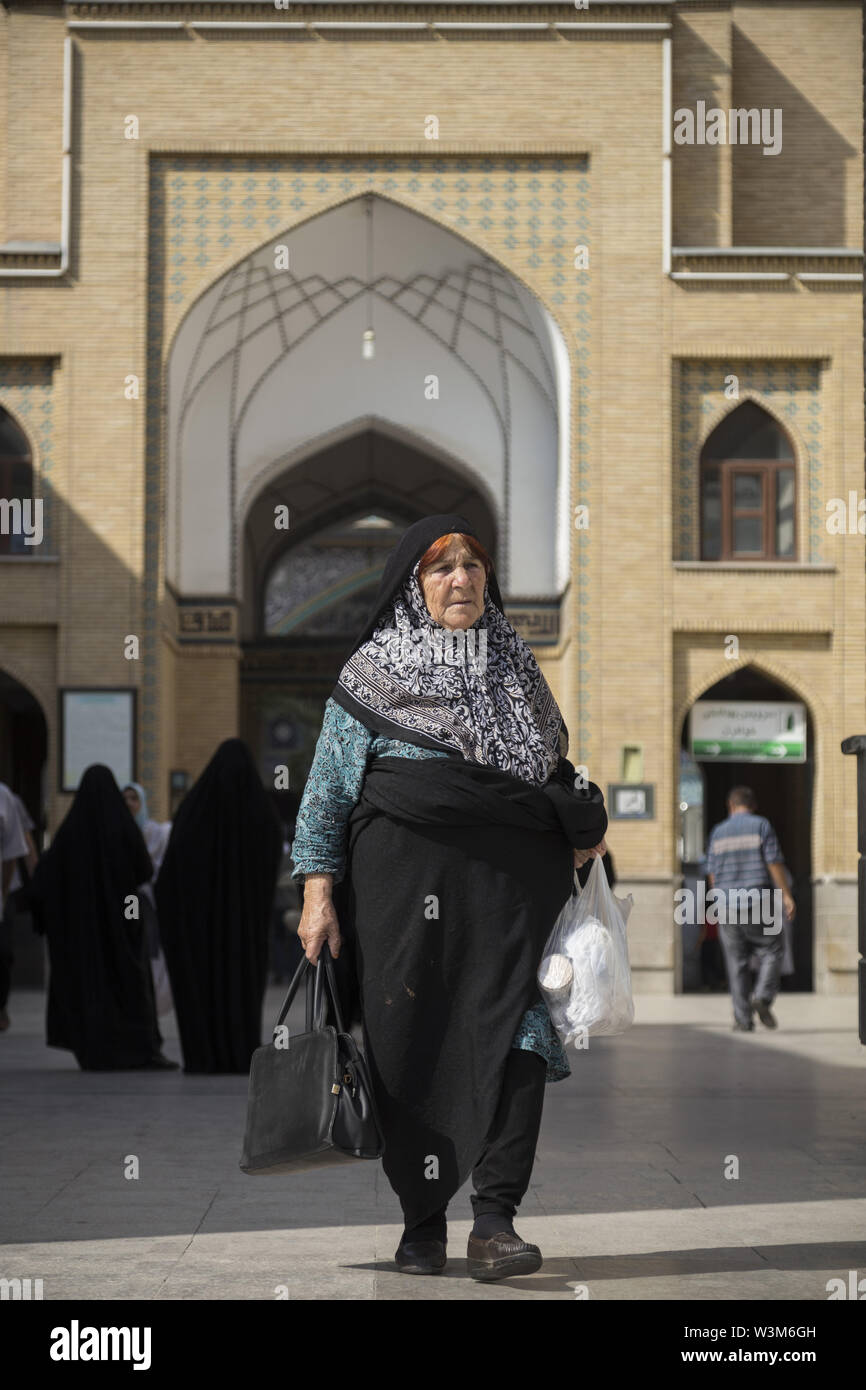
(214, 896)
(100, 993)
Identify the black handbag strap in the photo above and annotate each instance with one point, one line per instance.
(323, 978)
(293, 989)
(315, 1002)
(308, 1001)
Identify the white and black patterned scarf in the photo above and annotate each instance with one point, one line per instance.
(480, 694)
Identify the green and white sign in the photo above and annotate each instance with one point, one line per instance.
(748, 731)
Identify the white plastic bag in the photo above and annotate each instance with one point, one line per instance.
(584, 976)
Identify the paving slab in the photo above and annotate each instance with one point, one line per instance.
(629, 1198)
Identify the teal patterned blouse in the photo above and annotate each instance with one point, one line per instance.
(343, 752)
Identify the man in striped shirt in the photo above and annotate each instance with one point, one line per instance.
(744, 861)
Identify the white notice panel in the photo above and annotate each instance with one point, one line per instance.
(748, 731)
(97, 726)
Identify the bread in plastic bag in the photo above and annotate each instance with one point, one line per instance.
(584, 976)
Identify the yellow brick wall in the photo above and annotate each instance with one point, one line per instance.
(31, 60)
(210, 94)
(701, 173)
(785, 56)
(206, 705)
(799, 58)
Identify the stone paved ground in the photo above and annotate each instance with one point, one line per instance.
(628, 1197)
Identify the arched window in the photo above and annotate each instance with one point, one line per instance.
(748, 489)
(16, 482)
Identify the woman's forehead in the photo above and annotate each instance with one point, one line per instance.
(455, 549)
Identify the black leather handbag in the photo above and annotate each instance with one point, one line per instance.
(310, 1099)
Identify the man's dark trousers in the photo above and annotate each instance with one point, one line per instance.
(740, 941)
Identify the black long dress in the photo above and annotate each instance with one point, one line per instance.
(100, 992)
(214, 896)
(454, 878)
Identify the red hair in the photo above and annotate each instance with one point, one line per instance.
(438, 548)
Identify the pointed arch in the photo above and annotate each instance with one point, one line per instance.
(17, 473)
(317, 444)
(370, 467)
(235, 259)
(42, 695)
(767, 404)
(27, 732)
(750, 486)
(773, 670)
(266, 361)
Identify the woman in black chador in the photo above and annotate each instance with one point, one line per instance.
(437, 838)
(214, 896)
(100, 993)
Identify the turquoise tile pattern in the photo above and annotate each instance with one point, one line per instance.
(790, 389)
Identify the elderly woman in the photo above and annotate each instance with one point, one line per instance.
(437, 838)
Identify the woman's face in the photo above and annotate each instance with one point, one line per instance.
(453, 588)
(132, 800)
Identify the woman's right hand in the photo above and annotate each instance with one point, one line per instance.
(582, 855)
(318, 922)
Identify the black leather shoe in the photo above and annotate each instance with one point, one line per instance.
(502, 1256)
(421, 1256)
(764, 1012)
(158, 1063)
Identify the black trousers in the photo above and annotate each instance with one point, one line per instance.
(503, 1170)
(502, 1173)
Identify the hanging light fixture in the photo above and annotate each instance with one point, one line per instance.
(368, 341)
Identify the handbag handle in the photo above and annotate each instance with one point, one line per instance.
(309, 1003)
(293, 989)
(315, 1003)
(323, 978)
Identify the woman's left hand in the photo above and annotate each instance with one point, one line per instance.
(582, 855)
